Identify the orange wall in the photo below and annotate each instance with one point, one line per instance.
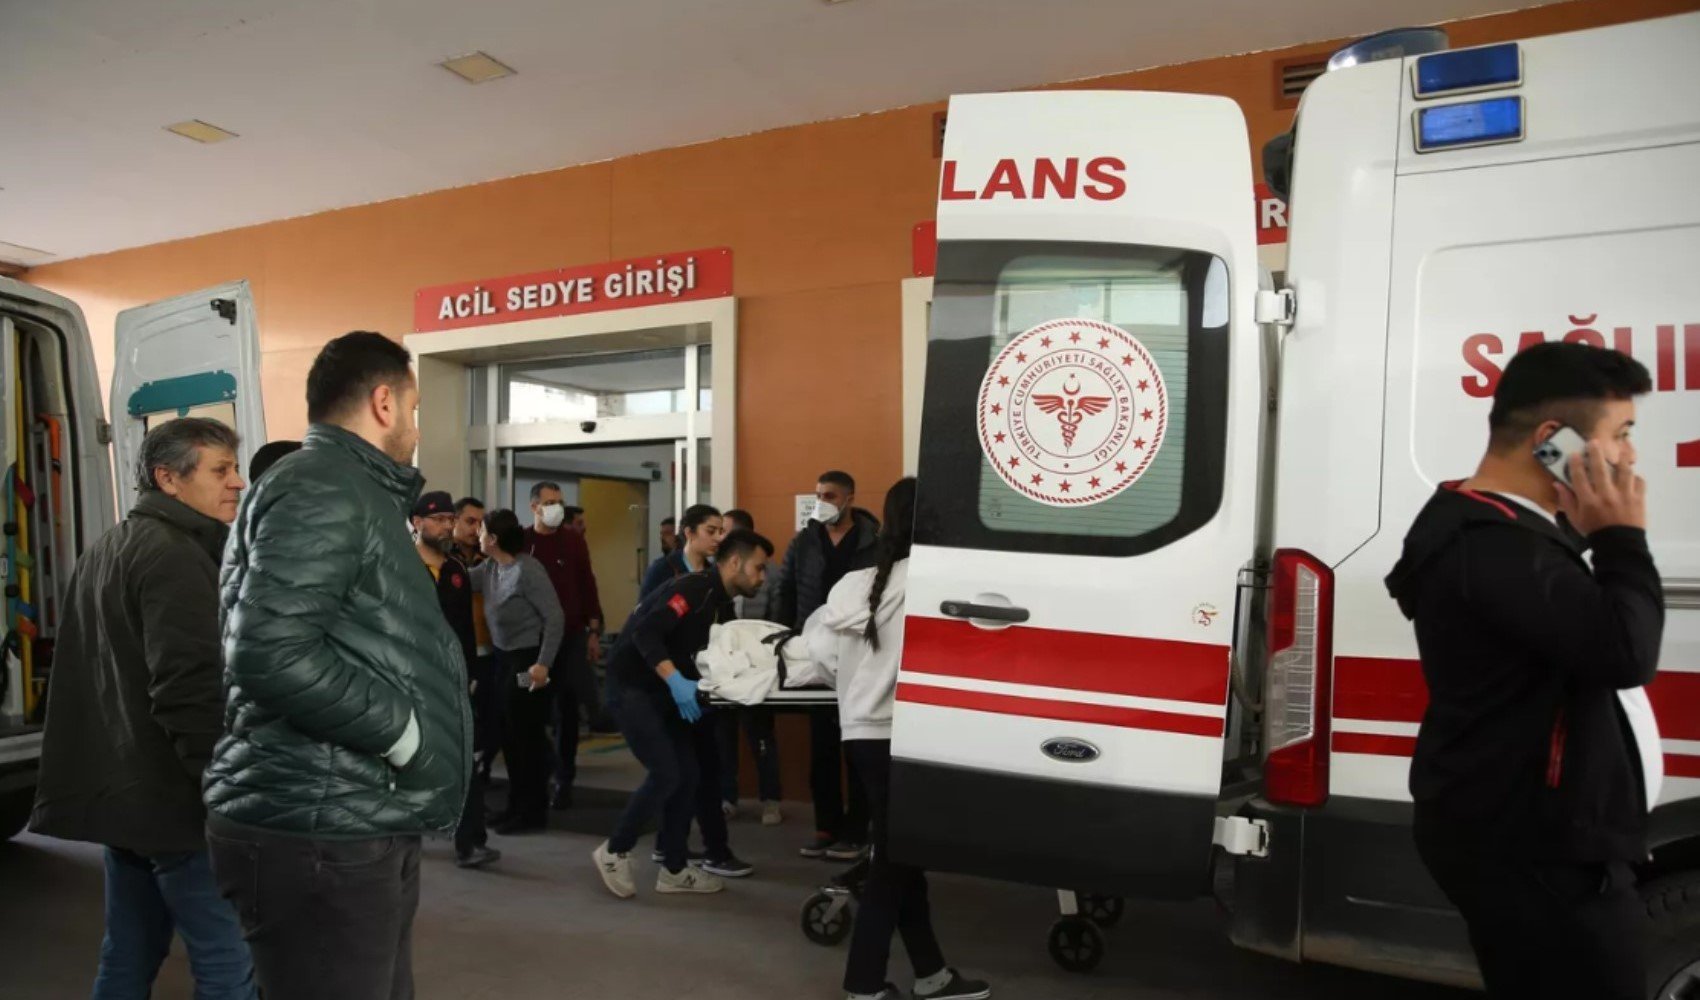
(818, 217)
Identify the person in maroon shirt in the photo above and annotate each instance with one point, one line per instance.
(563, 552)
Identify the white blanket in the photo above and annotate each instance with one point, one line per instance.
(738, 666)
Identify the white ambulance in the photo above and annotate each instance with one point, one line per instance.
(197, 354)
(1149, 650)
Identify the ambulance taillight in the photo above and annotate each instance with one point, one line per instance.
(1301, 645)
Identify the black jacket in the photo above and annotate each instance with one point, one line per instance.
(1524, 746)
(136, 703)
(801, 588)
(671, 624)
(454, 596)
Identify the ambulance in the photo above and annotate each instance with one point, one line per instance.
(1149, 650)
(197, 355)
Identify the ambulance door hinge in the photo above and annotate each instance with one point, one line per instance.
(103, 432)
(1242, 837)
(226, 308)
(1278, 306)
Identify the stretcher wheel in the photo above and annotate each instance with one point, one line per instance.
(1105, 911)
(828, 917)
(1076, 944)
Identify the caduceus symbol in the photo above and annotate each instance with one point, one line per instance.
(1071, 408)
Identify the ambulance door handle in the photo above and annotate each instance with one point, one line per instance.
(984, 612)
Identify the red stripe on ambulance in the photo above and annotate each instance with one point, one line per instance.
(1059, 711)
(1076, 661)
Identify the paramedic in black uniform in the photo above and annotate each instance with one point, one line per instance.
(652, 694)
(434, 537)
(1531, 803)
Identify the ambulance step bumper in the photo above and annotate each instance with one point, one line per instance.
(1116, 841)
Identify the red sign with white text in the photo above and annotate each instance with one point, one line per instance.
(1271, 216)
(625, 284)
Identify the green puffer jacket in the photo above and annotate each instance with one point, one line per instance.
(332, 639)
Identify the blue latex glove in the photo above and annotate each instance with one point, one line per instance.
(684, 692)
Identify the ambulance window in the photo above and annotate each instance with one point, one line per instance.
(1076, 397)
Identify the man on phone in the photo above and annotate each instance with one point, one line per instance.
(1530, 784)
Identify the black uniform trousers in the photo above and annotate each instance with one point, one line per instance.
(1543, 929)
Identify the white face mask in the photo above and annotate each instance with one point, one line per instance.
(826, 513)
(553, 515)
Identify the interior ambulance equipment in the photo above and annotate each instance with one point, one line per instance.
(1149, 648)
(193, 355)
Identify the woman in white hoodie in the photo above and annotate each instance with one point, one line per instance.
(856, 638)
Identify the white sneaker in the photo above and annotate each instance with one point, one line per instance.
(729, 810)
(770, 814)
(688, 880)
(616, 871)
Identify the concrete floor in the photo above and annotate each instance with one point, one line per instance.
(539, 924)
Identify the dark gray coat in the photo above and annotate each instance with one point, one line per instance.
(135, 702)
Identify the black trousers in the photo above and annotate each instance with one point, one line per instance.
(896, 895)
(1543, 929)
(526, 739)
(325, 919)
(716, 838)
(575, 699)
(470, 832)
(826, 781)
(489, 711)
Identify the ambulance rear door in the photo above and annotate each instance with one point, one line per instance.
(197, 355)
(1088, 482)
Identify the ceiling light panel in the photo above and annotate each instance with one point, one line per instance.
(200, 131)
(477, 67)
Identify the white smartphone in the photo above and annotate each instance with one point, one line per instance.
(1555, 452)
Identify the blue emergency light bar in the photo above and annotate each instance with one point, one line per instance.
(1491, 67)
(1471, 123)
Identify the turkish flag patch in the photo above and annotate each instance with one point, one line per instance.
(455, 581)
(680, 606)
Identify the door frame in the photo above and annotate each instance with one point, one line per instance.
(449, 434)
(917, 301)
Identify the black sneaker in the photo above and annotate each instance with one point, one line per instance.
(959, 988)
(561, 800)
(730, 866)
(816, 848)
(845, 850)
(889, 993)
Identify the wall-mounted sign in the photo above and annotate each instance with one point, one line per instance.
(1271, 216)
(622, 284)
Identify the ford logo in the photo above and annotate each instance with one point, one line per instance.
(1070, 751)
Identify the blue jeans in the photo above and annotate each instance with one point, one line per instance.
(147, 899)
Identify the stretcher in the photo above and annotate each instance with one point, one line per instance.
(1075, 941)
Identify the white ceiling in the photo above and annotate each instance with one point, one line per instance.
(340, 102)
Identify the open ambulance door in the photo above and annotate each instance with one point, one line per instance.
(1088, 482)
(197, 355)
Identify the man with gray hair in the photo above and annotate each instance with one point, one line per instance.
(135, 708)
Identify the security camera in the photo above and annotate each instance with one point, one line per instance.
(588, 426)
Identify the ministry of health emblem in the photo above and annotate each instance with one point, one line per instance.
(1072, 411)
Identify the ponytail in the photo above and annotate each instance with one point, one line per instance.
(896, 536)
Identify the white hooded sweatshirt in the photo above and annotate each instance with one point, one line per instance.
(865, 677)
